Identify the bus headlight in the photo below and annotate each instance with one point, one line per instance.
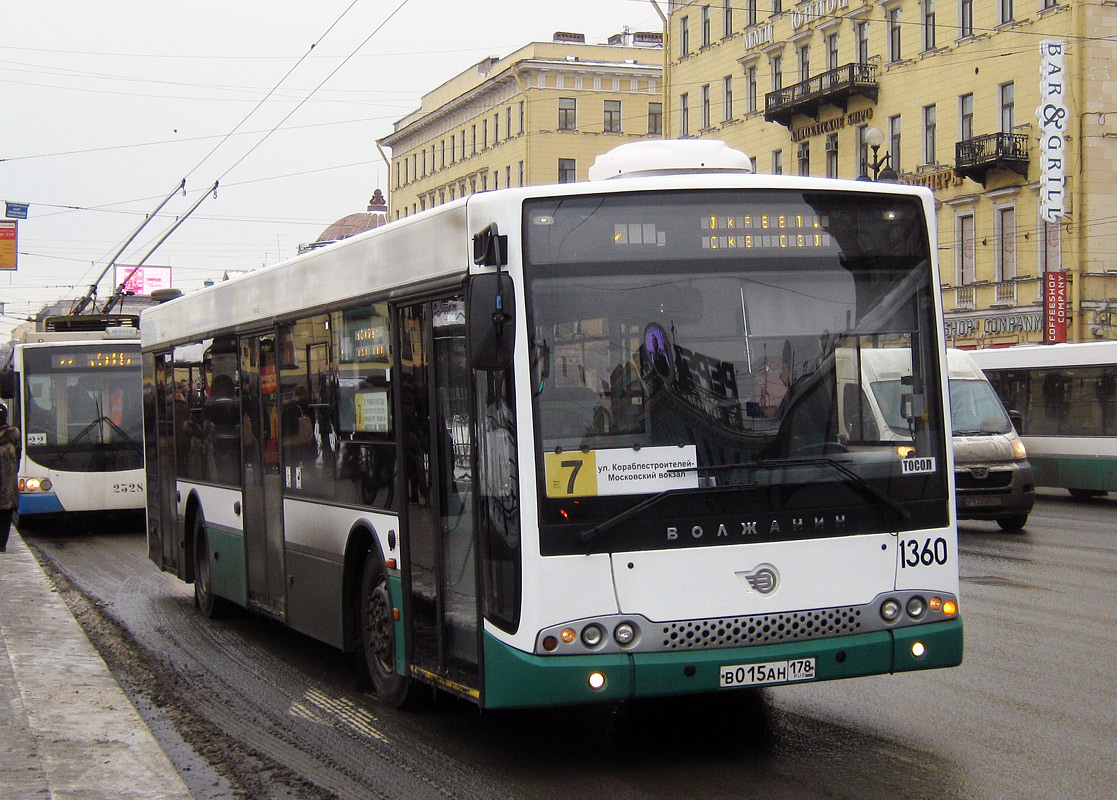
(625, 633)
(592, 635)
(35, 484)
(916, 607)
(890, 609)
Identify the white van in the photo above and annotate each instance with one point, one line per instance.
(992, 475)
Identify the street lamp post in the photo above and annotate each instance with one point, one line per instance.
(874, 137)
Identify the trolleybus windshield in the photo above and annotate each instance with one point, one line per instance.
(82, 407)
(707, 347)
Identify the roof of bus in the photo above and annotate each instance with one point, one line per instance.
(1046, 355)
(431, 249)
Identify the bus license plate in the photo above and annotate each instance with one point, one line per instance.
(800, 669)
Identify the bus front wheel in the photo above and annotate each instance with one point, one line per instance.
(378, 635)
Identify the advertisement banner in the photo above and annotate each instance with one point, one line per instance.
(1054, 307)
(144, 280)
(9, 236)
(1052, 115)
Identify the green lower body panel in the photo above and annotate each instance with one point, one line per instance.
(516, 679)
(226, 564)
(1093, 473)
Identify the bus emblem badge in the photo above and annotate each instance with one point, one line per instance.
(762, 580)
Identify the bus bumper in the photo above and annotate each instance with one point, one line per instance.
(514, 679)
(39, 503)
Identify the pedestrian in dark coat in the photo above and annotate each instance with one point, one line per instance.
(10, 447)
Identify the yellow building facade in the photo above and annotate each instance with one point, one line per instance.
(1007, 110)
(540, 115)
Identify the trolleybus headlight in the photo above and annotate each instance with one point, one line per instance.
(935, 604)
(890, 609)
(624, 633)
(917, 606)
(597, 681)
(568, 635)
(592, 635)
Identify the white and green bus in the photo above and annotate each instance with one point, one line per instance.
(561, 444)
(1063, 398)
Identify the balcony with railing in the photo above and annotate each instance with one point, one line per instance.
(965, 297)
(975, 157)
(833, 87)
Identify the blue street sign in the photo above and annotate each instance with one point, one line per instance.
(15, 210)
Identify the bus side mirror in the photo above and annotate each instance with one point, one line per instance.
(490, 332)
(8, 384)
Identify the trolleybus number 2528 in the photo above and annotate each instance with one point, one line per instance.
(799, 669)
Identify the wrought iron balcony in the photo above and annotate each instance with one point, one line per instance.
(975, 157)
(833, 87)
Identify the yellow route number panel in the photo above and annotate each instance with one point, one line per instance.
(578, 473)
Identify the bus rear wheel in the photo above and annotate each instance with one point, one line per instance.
(205, 600)
(378, 635)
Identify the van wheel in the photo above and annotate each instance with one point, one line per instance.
(378, 635)
(1013, 523)
(209, 604)
(1087, 494)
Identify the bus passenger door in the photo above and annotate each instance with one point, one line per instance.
(165, 536)
(437, 430)
(262, 505)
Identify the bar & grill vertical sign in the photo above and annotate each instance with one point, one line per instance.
(1054, 307)
(9, 235)
(1052, 116)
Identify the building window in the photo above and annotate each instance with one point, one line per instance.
(832, 155)
(508, 122)
(804, 62)
(520, 169)
(863, 42)
(965, 250)
(705, 26)
(965, 19)
(965, 117)
(655, 119)
(894, 141)
(804, 157)
(484, 134)
(894, 27)
(684, 37)
(507, 176)
(473, 140)
(1006, 12)
(442, 154)
(727, 97)
(750, 84)
(777, 7)
(566, 170)
(706, 106)
(684, 115)
(750, 12)
(831, 51)
(453, 140)
(1006, 243)
(612, 116)
(777, 73)
(928, 24)
(1008, 107)
(521, 116)
(727, 18)
(929, 135)
(777, 162)
(496, 129)
(568, 114)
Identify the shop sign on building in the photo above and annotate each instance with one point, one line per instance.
(9, 235)
(1052, 116)
(1054, 307)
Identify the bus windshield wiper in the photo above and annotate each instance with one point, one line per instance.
(589, 534)
(854, 478)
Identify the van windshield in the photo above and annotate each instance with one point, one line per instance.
(975, 408)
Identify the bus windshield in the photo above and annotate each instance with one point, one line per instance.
(82, 407)
(714, 340)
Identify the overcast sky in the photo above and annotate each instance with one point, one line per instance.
(105, 107)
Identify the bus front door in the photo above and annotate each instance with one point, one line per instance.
(437, 429)
(262, 505)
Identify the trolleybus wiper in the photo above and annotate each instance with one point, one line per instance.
(85, 431)
(590, 534)
(855, 479)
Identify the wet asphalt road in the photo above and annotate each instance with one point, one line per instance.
(1030, 714)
